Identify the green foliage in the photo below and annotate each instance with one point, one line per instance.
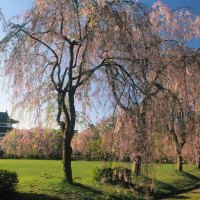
(114, 175)
(95, 148)
(8, 181)
(103, 174)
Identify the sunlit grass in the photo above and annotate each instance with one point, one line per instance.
(171, 181)
(192, 195)
(42, 179)
(45, 177)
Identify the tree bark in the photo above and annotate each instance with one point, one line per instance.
(140, 145)
(67, 152)
(179, 163)
(198, 161)
(136, 169)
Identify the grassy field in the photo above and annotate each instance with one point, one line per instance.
(42, 180)
(194, 195)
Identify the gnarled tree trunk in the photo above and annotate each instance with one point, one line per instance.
(67, 128)
(179, 163)
(137, 163)
(67, 152)
(198, 160)
(179, 157)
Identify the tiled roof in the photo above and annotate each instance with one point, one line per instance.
(4, 117)
(5, 129)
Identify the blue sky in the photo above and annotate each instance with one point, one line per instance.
(13, 7)
(10, 8)
(174, 4)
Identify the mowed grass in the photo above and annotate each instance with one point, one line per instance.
(42, 179)
(194, 195)
(170, 182)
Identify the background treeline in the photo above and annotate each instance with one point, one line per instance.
(37, 143)
(102, 142)
(116, 142)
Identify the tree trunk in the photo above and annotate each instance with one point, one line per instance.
(136, 169)
(140, 144)
(179, 163)
(198, 161)
(67, 152)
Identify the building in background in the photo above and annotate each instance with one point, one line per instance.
(6, 123)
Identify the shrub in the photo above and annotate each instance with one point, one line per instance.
(8, 181)
(115, 175)
(103, 174)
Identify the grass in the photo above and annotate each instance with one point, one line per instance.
(42, 180)
(194, 194)
(170, 182)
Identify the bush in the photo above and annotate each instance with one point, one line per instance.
(8, 181)
(115, 175)
(103, 174)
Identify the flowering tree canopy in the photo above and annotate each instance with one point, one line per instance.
(56, 48)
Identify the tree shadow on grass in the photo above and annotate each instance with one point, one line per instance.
(170, 191)
(86, 188)
(26, 196)
(88, 193)
(190, 176)
(164, 190)
(79, 191)
(76, 191)
(180, 197)
(82, 192)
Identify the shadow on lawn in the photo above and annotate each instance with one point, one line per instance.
(81, 192)
(76, 191)
(190, 176)
(26, 196)
(181, 197)
(86, 188)
(173, 191)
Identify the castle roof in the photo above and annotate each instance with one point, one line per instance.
(5, 118)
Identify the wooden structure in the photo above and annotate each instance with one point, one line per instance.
(6, 123)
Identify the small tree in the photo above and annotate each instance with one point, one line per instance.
(176, 102)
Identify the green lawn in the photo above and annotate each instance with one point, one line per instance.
(194, 195)
(42, 179)
(169, 180)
